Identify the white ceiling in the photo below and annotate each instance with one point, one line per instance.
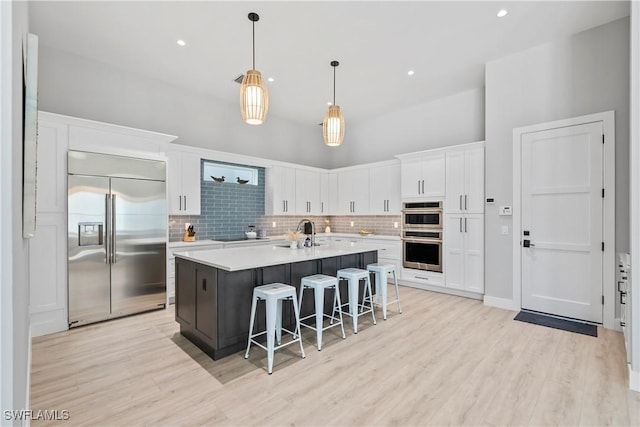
(446, 43)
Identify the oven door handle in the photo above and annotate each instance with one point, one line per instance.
(422, 240)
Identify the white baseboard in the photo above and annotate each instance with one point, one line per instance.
(634, 379)
(440, 289)
(49, 322)
(616, 325)
(503, 303)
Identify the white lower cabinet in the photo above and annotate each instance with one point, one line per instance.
(464, 252)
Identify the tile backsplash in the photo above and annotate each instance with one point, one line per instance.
(226, 209)
(379, 224)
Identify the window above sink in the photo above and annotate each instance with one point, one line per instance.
(228, 173)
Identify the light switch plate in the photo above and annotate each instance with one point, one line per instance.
(505, 211)
(505, 230)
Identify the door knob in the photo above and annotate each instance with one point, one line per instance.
(527, 243)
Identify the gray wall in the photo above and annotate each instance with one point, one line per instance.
(80, 87)
(586, 73)
(451, 120)
(14, 288)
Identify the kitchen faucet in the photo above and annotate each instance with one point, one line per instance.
(313, 229)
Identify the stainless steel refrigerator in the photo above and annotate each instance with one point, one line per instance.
(117, 236)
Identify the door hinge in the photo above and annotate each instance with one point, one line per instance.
(603, 138)
(602, 299)
(602, 246)
(603, 193)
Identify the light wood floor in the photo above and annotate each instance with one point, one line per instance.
(444, 361)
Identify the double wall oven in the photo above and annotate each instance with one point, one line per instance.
(422, 236)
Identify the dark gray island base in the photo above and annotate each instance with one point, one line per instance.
(213, 305)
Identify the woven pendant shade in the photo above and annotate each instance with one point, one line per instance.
(254, 98)
(333, 127)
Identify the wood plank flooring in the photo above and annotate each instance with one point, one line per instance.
(444, 361)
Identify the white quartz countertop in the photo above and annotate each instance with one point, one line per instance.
(244, 258)
(186, 245)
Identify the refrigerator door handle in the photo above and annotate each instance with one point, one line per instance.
(113, 228)
(107, 229)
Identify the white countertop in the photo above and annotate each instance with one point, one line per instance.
(279, 237)
(244, 258)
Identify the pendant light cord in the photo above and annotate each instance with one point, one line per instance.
(253, 25)
(334, 85)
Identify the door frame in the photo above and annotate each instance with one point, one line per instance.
(609, 227)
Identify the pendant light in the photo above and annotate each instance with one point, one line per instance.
(254, 98)
(333, 123)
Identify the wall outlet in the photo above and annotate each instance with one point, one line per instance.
(186, 225)
(505, 230)
(505, 211)
(352, 223)
(273, 224)
(395, 224)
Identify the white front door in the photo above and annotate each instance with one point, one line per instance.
(562, 211)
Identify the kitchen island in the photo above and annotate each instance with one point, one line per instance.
(214, 288)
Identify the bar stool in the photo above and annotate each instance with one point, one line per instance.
(274, 294)
(353, 277)
(320, 282)
(381, 271)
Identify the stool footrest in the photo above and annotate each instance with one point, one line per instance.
(325, 316)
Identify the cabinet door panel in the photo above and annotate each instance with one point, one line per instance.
(474, 253)
(206, 296)
(185, 292)
(454, 251)
(307, 184)
(455, 182)
(289, 190)
(191, 184)
(384, 186)
(433, 168)
(52, 169)
(235, 294)
(410, 179)
(174, 178)
(324, 206)
(474, 180)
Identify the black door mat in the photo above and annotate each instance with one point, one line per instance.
(554, 322)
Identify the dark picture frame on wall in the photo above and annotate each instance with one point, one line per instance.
(30, 134)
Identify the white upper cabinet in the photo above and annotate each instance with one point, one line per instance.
(423, 177)
(384, 189)
(324, 194)
(353, 192)
(307, 184)
(184, 182)
(465, 180)
(280, 191)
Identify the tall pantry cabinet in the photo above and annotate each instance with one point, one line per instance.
(464, 218)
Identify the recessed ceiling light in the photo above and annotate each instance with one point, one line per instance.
(502, 13)
(271, 79)
(181, 42)
(411, 72)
